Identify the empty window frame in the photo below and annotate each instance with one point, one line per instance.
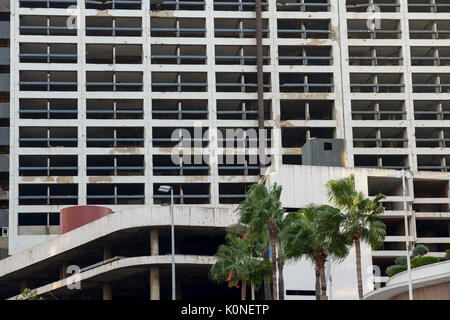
(178, 54)
(48, 108)
(367, 5)
(115, 165)
(376, 83)
(48, 194)
(114, 53)
(241, 55)
(48, 52)
(38, 223)
(46, 26)
(179, 109)
(426, 29)
(432, 137)
(396, 162)
(431, 83)
(239, 165)
(305, 55)
(236, 137)
(114, 81)
(48, 80)
(436, 6)
(170, 165)
(435, 162)
(380, 138)
(240, 82)
(114, 109)
(111, 137)
(375, 56)
(238, 28)
(178, 27)
(231, 193)
(307, 110)
(179, 82)
(114, 4)
(306, 83)
(242, 109)
(378, 110)
(304, 29)
(47, 3)
(37, 165)
(434, 56)
(304, 6)
(389, 29)
(296, 137)
(113, 26)
(431, 110)
(46, 137)
(183, 193)
(158, 5)
(238, 5)
(116, 194)
(183, 137)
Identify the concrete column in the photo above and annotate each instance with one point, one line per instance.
(154, 283)
(107, 253)
(107, 292)
(154, 271)
(23, 284)
(63, 271)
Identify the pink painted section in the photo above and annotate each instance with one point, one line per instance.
(77, 216)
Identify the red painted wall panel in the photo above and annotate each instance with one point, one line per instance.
(77, 216)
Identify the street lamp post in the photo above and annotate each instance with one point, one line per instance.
(165, 189)
(406, 175)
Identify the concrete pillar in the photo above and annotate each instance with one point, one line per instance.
(107, 292)
(23, 285)
(154, 271)
(63, 271)
(154, 283)
(107, 253)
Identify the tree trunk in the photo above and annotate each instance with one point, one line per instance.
(253, 291)
(267, 292)
(274, 266)
(280, 279)
(323, 282)
(358, 266)
(317, 282)
(243, 289)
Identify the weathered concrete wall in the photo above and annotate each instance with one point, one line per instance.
(4, 81)
(4, 55)
(324, 152)
(4, 5)
(436, 292)
(4, 30)
(4, 110)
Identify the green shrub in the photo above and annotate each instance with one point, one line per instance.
(447, 254)
(392, 270)
(419, 250)
(400, 261)
(422, 261)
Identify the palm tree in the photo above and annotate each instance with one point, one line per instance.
(235, 262)
(361, 218)
(309, 235)
(262, 212)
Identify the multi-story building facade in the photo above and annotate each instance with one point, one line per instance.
(99, 88)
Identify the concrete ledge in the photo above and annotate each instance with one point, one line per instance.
(157, 216)
(425, 276)
(121, 265)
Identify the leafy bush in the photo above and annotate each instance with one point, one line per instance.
(419, 250)
(422, 261)
(400, 261)
(447, 254)
(393, 270)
